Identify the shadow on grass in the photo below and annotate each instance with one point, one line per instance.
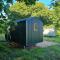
(50, 53)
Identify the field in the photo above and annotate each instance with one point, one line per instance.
(49, 53)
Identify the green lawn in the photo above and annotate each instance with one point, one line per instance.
(2, 37)
(49, 53)
(54, 39)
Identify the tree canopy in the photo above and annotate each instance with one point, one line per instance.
(25, 8)
(56, 8)
(21, 10)
(28, 1)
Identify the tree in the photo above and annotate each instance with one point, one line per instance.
(56, 7)
(10, 1)
(55, 3)
(28, 1)
(24, 12)
(19, 10)
(3, 16)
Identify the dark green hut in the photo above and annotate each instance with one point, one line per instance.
(28, 31)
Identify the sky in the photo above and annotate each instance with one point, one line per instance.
(46, 2)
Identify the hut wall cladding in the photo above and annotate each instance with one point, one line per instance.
(30, 31)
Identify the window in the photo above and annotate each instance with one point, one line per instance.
(35, 27)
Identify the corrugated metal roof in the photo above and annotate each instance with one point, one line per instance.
(27, 19)
(24, 19)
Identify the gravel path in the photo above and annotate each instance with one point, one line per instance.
(45, 44)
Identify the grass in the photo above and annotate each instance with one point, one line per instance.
(54, 39)
(2, 37)
(49, 53)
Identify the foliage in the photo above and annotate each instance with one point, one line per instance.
(3, 26)
(48, 53)
(22, 10)
(53, 39)
(19, 10)
(9, 1)
(56, 7)
(28, 2)
(55, 2)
